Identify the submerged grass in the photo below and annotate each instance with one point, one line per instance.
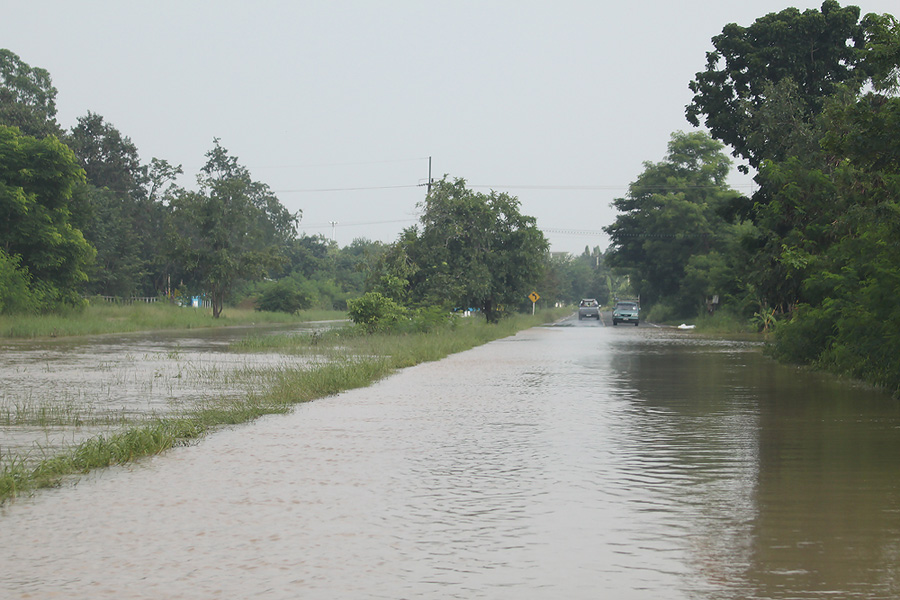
(48, 414)
(103, 317)
(350, 360)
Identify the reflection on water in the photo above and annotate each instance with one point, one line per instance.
(560, 463)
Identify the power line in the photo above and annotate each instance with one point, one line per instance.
(560, 188)
(579, 188)
(349, 189)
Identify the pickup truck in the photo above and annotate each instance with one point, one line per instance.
(626, 312)
(589, 309)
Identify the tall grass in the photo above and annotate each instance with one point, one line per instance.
(103, 317)
(725, 323)
(350, 360)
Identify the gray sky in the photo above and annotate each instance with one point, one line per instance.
(337, 105)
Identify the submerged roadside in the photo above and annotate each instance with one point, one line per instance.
(100, 318)
(336, 360)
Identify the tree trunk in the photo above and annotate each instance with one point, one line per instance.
(489, 313)
(218, 298)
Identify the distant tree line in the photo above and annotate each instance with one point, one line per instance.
(808, 100)
(82, 215)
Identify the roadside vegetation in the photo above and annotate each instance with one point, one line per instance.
(341, 359)
(810, 256)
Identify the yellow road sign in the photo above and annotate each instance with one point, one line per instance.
(534, 296)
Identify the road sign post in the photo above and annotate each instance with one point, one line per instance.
(533, 296)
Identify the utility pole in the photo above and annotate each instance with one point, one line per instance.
(333, 223)
(429, 175)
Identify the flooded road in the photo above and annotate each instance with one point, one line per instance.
(576, 461)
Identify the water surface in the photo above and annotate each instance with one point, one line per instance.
(563, 462)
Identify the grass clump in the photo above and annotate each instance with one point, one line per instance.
(346, 358)
(725, 323)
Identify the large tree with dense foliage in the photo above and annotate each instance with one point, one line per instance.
(473, 250)
(844, 223)
(672, 214)
(821, 255)
(232, 228)
(122, 216)
(764, 92)
(27, 97)
(37, 181)
(818, 51)
(110, 159)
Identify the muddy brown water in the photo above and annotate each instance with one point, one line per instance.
(576, 461)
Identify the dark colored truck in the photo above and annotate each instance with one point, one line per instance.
(589, 309)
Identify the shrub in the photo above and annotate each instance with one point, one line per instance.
(375, 312)
(661, 313)
(285, 295)
(802, 339)
(431, 318)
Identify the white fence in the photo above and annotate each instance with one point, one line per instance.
(130, 300)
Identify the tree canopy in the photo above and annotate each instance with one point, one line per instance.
(37, 181)
(27, 97)
(152, 237)
(110, 159)
(473, 251)
(673, 215)
(819, 51)
(233, 228)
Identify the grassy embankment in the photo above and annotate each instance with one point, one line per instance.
(340, 360)
(722, 323)
(116, 318)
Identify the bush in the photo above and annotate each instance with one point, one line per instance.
(804, 337)
(661, 313)
(431, 318)
(285, 295)
(375, 312)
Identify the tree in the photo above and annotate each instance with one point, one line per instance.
(474, 250)
(120, 267)
(27, 97)
(569, 278)
(121, 218)
(110, 160)
(817, 51)
(233, 228)
(883, 51)
(37, 180)
(673, 212)
(840, 223)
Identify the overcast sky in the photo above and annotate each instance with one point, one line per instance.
(337, 105)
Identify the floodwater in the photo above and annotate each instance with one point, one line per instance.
(56, 393)
(576, 461)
